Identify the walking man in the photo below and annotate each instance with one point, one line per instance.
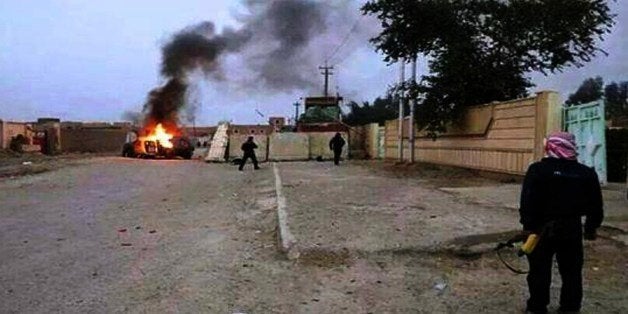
(249, 152)
(336, 144)
(557, 191)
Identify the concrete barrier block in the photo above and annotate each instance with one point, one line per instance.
(288, 146)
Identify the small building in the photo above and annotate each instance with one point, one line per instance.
(323, 127)
(321, 109)
(277, 123)
(322, 114)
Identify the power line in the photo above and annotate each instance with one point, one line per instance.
(345, 39)
(341, 61)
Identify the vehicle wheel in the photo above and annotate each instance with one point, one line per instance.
(128, 151)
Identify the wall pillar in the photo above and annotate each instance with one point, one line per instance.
(548, 119)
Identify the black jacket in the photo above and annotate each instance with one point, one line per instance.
(336, 143)
(249, 148)
(560, 190)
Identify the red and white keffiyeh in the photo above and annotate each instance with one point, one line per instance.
(561, 145)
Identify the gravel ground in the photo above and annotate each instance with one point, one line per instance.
(122, 235)
(350, 207)
(420, 228)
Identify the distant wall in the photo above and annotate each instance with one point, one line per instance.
(502, 137)
(93, 140)
(238, 129)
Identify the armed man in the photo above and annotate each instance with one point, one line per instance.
(336, 144)
(557, 191)
(248, 148)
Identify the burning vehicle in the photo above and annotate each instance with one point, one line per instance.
(158, 144)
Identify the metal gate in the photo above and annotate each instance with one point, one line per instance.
(587, 123)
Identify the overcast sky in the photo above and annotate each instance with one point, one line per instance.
(92, 60)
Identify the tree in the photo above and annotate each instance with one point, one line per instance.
(382, 109)
(615, 95)
(616, 100)
(481, 50)
(591, 89)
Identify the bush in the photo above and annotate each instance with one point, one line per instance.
(17, 142)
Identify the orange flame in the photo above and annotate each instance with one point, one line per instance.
(159, 134)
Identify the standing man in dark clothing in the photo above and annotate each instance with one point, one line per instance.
(249, 152)
(557, 191)
(336, 144)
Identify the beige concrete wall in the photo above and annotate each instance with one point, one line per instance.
(236, 141)
(319, 144)
(288, 146)
(390, 139)
(502, 137)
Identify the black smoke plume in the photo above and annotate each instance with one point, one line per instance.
(198, 48)
(194, 48)
(280, 44)
(284, 31)
(164, 103)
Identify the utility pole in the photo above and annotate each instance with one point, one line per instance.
(412, 105)
(326, 72)
(296, 112)
(402, 70)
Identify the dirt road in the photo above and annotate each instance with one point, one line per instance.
(116, 235)
(122, 235)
